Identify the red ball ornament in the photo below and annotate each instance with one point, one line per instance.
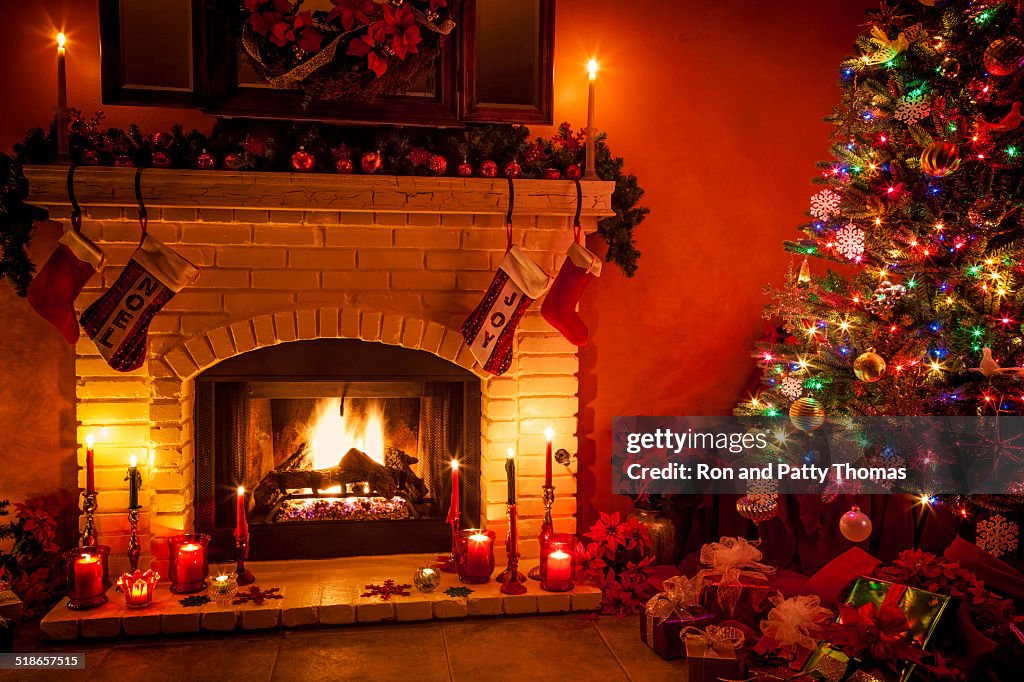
(303, 161)
(513, 170)
(534, 153)
(437, 164)
(90, 157)
(552, 174)
(489, 169)
(234, 161)
(163, 140)
(855, 525)
(162, 160)
(123, 161)
(940, 159)
(344, 166)
(205, 161)
(418, 156)
(465, 169)
(371, 162)
(574, 172)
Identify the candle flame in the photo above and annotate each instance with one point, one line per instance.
(241, 490)
(558, 554)
(455, 465)
(592, 69)
(133, 461)
(479, 537)
(89, 440)
(511, 453)
(549, 433)
(61, 40)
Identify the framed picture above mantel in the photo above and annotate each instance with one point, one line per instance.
(495, 66)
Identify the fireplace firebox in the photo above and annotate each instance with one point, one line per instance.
(345, 446)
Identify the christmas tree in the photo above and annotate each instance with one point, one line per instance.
(920, 208)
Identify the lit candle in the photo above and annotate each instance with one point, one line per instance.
(138, 588)
(134, 481)
(62, 99)
(591, 172)
(191, 565)
(479, 561)
(549, 434)
(510, 474)
(559, 569)
(241, 523)
(88, 577)
(90, 456)
(453, 509)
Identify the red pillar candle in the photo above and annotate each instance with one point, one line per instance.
(475, 556)
(188, 566)
(549, 434)
(86, 574)
(558, 563)
(90, 474)
(241, 523)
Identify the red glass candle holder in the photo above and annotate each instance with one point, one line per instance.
(138, 587)
(557, 563)
(188, 563)
(474, 557)
(86, 572)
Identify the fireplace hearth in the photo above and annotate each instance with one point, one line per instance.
(345, 445)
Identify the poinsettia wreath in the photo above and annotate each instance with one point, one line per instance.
(359, 49)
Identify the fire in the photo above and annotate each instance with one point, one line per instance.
(332, 434)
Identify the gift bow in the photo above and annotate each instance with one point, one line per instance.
(791, 621)
(714, 639)
(680, 594)
(728, 560)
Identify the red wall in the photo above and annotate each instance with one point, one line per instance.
(716, 106)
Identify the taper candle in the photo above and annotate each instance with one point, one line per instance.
(454, 512)
(510, 474)
(134, 479)
(549, 434)
(62, 101)
(241, 523)
(591, 167)
(90, 474)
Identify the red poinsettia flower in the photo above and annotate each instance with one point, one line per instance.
(352, 11)
(400, 25)
(869, 631)
(310, 39)
(437, 4)
(266, 15)
(363, 47)
(607, 531)
(281, 34)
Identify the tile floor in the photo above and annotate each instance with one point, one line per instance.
(477, 650)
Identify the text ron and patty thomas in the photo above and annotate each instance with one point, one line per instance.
(776, 471)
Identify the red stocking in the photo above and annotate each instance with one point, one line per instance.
(119, 321)
(53, 291)
(559, 308)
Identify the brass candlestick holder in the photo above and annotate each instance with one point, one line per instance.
(243, 575)
(511, 579)
(546, 529)
(133, 540)
(89, 507)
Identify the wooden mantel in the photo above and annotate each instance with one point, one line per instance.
(172, 188)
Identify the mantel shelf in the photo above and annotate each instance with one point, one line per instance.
(172, 188)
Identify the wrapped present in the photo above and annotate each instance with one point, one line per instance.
(667, 613)
(791, 627)
(922, 609)
(712, 654)
(734, 582)
(827, 664)
(10, 604)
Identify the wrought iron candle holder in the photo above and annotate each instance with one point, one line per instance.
(242, 574)
(134, 550)
(546, 529)
(89, 507)
(511, 579)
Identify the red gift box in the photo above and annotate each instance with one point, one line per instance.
(745, 599)
(714, 654)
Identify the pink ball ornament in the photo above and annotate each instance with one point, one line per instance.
(855, 525)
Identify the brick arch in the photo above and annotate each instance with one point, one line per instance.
(199, 351)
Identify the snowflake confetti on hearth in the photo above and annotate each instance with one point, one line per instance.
(850, 241)
(256, 596)
(825, 204)
(195, 600)
(913, 108)
(385, 591)
(997, 535)
(791, 387)
(459, 592)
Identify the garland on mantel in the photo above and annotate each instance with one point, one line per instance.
(237, 145)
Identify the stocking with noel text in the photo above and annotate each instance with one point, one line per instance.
(490, 328)
(119, 321)
(54, 289)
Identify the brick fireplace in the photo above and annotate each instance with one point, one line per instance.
(292, 257)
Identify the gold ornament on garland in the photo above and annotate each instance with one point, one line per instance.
(1004, 56)
(807, 414)
(758, 508)
(869, 366)
(940, 159)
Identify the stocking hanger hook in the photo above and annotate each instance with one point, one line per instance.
(577, 229)
(76, 210)
(143, 213)
(508, 215)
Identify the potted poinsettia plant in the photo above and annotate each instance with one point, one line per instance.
(617, 560)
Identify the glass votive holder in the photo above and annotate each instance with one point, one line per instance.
(474, 557)
(223, 587)
(188, 566)
(557, 562)
(87, 576)
(138, 587)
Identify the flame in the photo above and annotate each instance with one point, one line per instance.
(333, 434)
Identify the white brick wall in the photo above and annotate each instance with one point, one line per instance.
(276, 276)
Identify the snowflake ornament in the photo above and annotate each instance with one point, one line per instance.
(825, 204)
(762, 487)
(913, 108)
(791, 387)
(850, 241)
(997, 535)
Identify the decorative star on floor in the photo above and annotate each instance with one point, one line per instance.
(195, 600)
(256, 596)
(385, 591)
(462, 592)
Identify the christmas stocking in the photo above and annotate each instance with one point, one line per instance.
(489, 329)
(119, 321)
(53, 291)
(559, 308)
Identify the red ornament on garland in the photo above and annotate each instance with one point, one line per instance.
(418, 156)
(90, 157)
(437, 164)
(534, 153)
(303, 161)
(574, 172)
(371, 162)
(344, 166)
(512, 169)
(162, 160)
(552, 174)
(465, 169)
(163, 140)
(489, 169)
(855, 525)
(234, 161)
(205, 161)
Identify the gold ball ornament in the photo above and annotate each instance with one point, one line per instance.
(426, 578)
(807, 414)
(855, 525)
(1004, 56)
(758, 508)
(940, 159)
(869, 366)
